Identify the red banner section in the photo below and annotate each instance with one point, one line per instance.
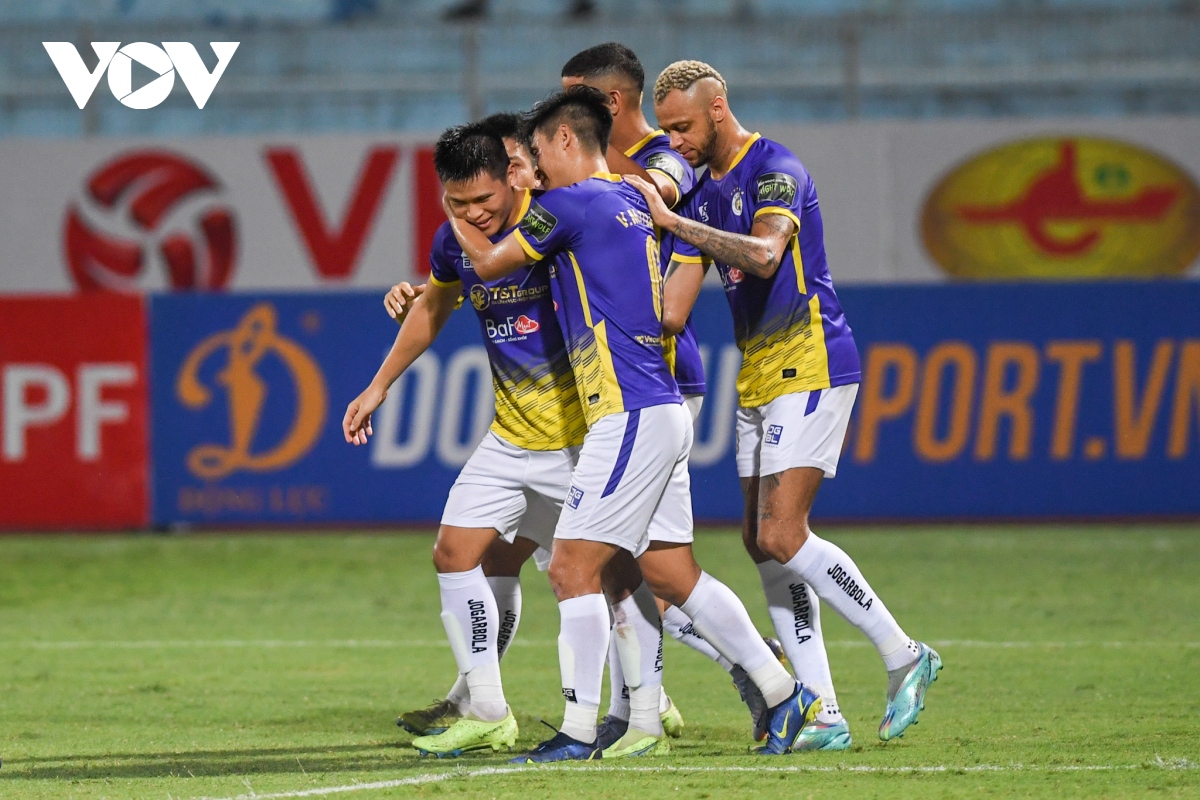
(73, 425)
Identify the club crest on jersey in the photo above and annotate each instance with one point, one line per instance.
(480, 298)
(538, 222)
(774, 432)
(776, 186)
(736, 203)
(664, 163)
(574, 495)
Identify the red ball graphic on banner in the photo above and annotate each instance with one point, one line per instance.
(148, 206)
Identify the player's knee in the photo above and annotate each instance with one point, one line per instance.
(449, 557)
(780, 542)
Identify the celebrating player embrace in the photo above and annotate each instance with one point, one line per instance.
(755, 214)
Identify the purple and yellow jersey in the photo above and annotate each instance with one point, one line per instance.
(537, 407)
(607, 281)
(790, 327)
(654, 154)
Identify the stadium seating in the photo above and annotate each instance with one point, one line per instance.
(370, 65)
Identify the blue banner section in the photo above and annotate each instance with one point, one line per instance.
(1003, 401)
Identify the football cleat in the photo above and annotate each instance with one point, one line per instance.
(672, 720)
(776, 649)
(636, 743)
(560, 748)
(902, 709)
(754, 701)
(610, 730)
(469, 734)
(431, 720)
(823, 736)
(787, 719)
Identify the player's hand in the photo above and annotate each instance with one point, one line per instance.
(399, 299)
(356, 425)
(663, 216)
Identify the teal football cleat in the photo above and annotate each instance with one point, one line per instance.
(823, 736)
(902, 709)
(786, 720)
(559, 748)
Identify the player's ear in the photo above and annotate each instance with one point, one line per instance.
(614, 101)
(564, 135)
(718, 109)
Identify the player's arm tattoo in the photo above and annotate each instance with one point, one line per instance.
(756, 254)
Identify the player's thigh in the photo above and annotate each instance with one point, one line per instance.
(670, 570)
(547, 479)
(489, 491)
(625, 464)
(750, 520)
(672, 521)
(505, 559)
(805, 429)
(621, 576)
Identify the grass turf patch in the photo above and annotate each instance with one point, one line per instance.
(219, 666)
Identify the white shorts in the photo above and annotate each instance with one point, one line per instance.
(631, 484)
(802, 429)
(694, 403)
(514, 490)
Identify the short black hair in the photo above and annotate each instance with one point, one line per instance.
(466, 151)
(504, 125)
(611, 58)
(581, 108)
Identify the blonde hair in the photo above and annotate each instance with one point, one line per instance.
(681, 75)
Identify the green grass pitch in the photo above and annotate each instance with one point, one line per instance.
(274, 665)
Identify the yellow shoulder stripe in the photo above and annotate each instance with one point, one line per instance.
(784, 212)
(526, 246)
(444, 284)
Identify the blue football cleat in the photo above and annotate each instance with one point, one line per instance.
(560, 748)
(610, 731)
(902, 709)
(786, 720)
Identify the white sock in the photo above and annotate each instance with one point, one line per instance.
(618, 692)
(582, 648)
(796, 614)
(837, 580)
(470, 618)
(638, 635)
(677, 625)
(721, 619)
(507, 591)
(460, 694)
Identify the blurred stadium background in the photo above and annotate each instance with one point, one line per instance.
(993, 176)
(1011, 193)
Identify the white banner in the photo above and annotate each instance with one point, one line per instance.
(901, 202)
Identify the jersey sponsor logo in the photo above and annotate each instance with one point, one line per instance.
(733, 276)
(774, 433)
(1054, 208)
(736, 202)
(247, 393)
(776, 187)
(538, 223)
(480, 298)
(664, 163)
(703, 211)
(512, 329)
(574, 496)
(467, 265)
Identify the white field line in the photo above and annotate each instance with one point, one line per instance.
(267, 644)
(417, 780)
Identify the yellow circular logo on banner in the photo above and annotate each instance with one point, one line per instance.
(1063, 208)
